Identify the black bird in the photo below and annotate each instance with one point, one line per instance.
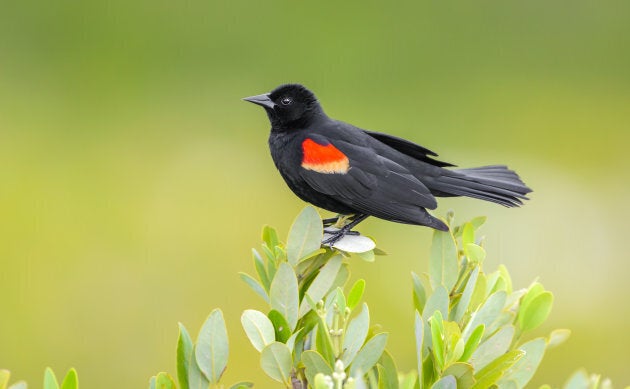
(345, 169)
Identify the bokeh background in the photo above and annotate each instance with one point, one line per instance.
(133, 179)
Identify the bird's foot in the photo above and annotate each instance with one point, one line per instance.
(337, 234)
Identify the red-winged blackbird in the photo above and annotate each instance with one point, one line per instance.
(351, 171)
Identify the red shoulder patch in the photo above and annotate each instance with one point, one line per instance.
(323, 158)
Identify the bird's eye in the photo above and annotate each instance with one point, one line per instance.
(286, 101)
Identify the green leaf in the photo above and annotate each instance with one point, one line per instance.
(164, 381)
(479, 294)
(305, 235)
(50, 381)
(284, 294)
(196, 378)
(388, 376)
(419, 335)
(355, 336)
(152, 382)
(270, 236)
(314, 363)
(241, 385)
(322, 283)
(342, 276)
(419, 293)
(369, 354)
(71, 381)
(437, 339)
(495, 346)
(356, 293)
(464, 301)
(475, 253)
(468, 234)
(487, 314)
(408, 381)
(185, 349)
(259, 265)
(367, 256)
(472, 343)
(438, 301)
(4, 378)
(557, 337)
(463, 373)
(212, 348)
(291, 341)
(535, 312)
(579, 380)
(276, 361)
(19, 385)
(258, 328)
(443, 267)
(490, 374)
(447, 382)
(280, 325)
(323, 342)
(523, 370)
(255, 286)
(478, 221)
(506, 277)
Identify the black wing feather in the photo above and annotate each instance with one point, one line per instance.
(408, 148)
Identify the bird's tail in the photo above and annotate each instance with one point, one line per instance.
(496, 183)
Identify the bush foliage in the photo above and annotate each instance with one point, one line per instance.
(472, 328)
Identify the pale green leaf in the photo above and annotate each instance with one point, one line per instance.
(305, 235)
(196, 378)
(212, 348)
(437, 339)
(447, 382)
(164, 381)
(388, 375)
(557, 337)
(276, 361)
(369, 354)
(241, 385)
(443, 267)
(284, 294)
(464, 301)
(355, 335)
(419, 335)
(475, 253)
(314, 363)
(185, 349)
(322, 283)
(523, 370)
(492, 348)
(50, 381)
(490, 374)
(255, 286)
(463, 373)
(487, 314)
(258, 328)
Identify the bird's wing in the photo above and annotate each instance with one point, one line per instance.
(360, 178)
(409, 148)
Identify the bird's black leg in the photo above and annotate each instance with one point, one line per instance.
(345, 230)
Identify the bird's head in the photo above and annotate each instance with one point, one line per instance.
(289, 106)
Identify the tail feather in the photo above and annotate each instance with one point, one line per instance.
(496, 184)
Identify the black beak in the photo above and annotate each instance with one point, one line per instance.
(262, 100)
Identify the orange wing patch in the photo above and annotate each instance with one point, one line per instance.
(323, 159)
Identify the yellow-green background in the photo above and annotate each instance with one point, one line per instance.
(133, 180)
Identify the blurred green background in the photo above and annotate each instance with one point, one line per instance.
(133, 179)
